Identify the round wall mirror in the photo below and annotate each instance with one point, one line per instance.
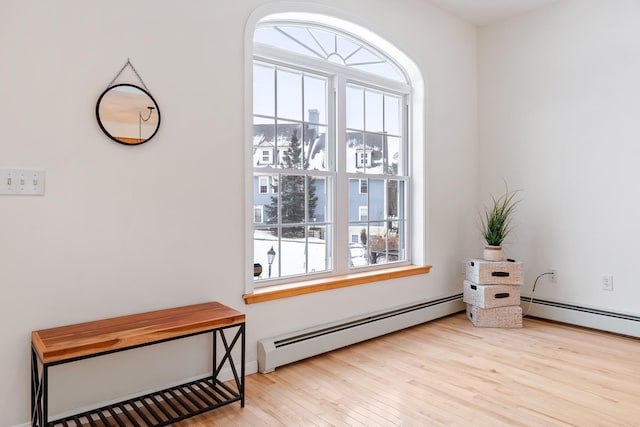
(128, 114)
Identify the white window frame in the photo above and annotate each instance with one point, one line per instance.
(417, 193)
(338, 83)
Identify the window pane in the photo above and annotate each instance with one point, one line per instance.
(324, 38)
(271, 36)
(392, 115)
(373, 111)
(317, 199)
(264, 99)
(345, 47)
(392, 160)
(263, 240)
(384, 244)
(402, 203)
(393, 199)
(373, 146)
(315, 150)
(376, 200)
(289, 95)
(263, 196)
(400, 230)
(315, 99)
(358, 254)
(290, 153)
(355, 108)
(292, 196)
(269, 201)
(363, 55)
(356, 199)
(353, 148)
(318, 250)
(305, 41)
(293, 248)
(263, 142)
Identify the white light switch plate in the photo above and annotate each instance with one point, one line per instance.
(28, 182)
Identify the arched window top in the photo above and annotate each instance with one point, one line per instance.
(328, 44)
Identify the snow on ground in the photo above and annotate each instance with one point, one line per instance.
(290, 257)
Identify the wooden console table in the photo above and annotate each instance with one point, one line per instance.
(55, 346)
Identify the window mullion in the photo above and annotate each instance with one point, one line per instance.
(341, 209)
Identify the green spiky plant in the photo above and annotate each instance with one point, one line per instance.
(496, 221)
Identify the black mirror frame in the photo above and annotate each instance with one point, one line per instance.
(107, 132)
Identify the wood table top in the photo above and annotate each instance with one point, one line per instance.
(96, 337)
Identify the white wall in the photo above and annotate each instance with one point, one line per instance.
(559, 96)
(130, 229)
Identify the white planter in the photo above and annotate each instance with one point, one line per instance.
(492, 253)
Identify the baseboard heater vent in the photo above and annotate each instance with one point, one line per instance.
(620, 323)
(283, 349)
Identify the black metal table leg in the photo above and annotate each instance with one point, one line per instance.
(242, 373)
(35, 386)
(39, 392)
(227, 357)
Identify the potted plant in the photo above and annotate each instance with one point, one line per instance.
(496, 223)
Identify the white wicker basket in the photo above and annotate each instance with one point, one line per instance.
(483, 272)
(490, 296)
(498, 317)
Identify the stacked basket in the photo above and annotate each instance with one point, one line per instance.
(492, 293)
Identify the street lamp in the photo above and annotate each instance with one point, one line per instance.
(142, 119)
(271, 254)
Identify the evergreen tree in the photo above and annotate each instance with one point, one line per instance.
(291, 192)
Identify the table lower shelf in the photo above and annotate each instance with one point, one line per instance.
(159, 408)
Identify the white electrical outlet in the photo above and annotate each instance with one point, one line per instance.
(607, 283)
(29, 182)
(553, 276)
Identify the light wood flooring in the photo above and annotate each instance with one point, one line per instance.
(449, 373)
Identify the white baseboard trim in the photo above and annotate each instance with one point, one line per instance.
(301, 344)
(589, 317)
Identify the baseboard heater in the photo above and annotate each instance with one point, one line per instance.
(284, 349)
(609, 321)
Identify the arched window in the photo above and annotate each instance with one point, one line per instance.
(331, 154)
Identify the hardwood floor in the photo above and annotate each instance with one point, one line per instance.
(449, 373)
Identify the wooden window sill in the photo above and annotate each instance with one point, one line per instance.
(270, 293)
